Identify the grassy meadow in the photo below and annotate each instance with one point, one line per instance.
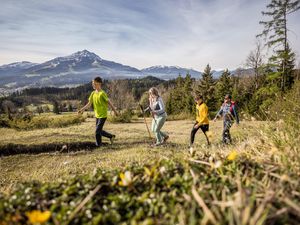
(132, 145)
(253, 181)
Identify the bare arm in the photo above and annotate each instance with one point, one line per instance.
(88, 105)
(112, 106)
(218, 114)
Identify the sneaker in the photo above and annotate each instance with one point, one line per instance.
(112, 139)
(165, 139)
(191, 150)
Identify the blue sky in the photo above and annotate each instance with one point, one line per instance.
(140, 33)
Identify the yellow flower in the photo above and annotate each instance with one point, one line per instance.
(37, 216)
(126, 179)
(232, 155)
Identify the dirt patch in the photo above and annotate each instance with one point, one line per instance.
(14, 149)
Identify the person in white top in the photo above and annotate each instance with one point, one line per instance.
(157, 110)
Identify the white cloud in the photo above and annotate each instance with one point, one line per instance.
(188, 33)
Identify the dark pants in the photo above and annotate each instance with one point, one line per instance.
(204, 129)
(226, 137)
(100, 132)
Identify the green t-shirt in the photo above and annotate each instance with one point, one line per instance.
(100, 102)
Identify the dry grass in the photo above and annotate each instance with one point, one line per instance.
(131, 146)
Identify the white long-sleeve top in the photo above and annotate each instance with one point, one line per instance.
(157, 106)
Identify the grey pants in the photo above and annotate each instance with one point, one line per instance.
(157, 124)
(226, 137)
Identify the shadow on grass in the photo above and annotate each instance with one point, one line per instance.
(14, 149)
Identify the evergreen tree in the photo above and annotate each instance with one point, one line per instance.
(276, 31)
(55, 107)
(188, 94)
(177, 96)
(224, 86)
(206, 88)
(70, 108)
(180, 98)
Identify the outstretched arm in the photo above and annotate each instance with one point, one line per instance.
(218, 114)
(88, 105)
(113, 108)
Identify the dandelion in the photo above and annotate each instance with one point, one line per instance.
(126, 179)
(232, 155)
(37, 216)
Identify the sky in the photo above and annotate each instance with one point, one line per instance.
(139, 33)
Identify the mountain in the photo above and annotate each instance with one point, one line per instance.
(81, 67)
(71, 70)
(17, 65)
(170, 72)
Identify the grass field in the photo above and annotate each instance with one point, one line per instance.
(131, 145)
(253, 181)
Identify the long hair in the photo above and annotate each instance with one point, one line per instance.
(154, 91)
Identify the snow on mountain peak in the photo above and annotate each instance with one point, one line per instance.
(85, 54)
(22, 64)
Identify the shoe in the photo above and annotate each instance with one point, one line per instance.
(165, 138)
(191, 151)
(112, 139)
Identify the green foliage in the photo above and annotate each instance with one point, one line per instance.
(261, 100)
(224, 86)
(276, 31)
(181, 99)
(206, 88)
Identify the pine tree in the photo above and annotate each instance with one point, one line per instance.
(276, 31)
(180, 98)
(55, 107)
(224, 86)
(206, 88)
(188, 94)
(70, 108)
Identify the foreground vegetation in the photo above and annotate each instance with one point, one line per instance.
(234, 191)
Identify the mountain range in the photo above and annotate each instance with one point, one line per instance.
(78, 68)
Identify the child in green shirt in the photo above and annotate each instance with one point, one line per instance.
(100, 103)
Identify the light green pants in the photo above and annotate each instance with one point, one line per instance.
(157, 123)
